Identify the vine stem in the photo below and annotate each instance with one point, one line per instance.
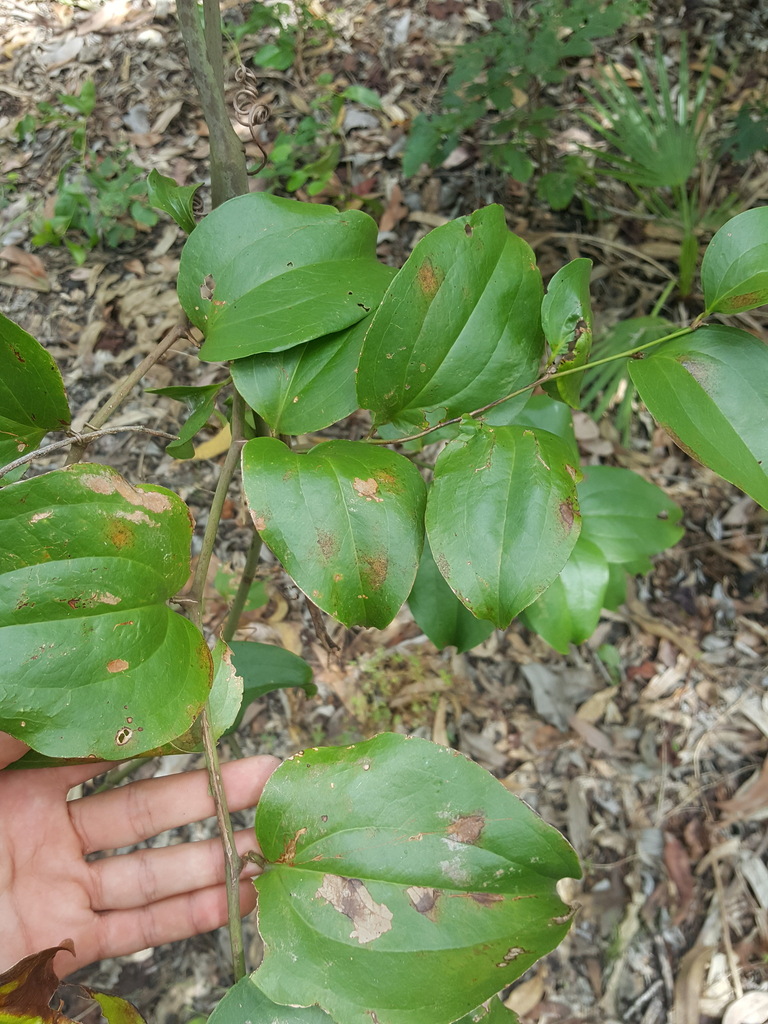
(246, 581)
(127, 385)
(228, 179)
(528, 387)
(82, 439)
(232, 860)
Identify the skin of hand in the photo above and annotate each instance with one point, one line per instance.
(123, 903)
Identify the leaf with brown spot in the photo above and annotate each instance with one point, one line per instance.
(345, 519)
(709, 389)
(409, 931)
(97, 560)
(458, 327)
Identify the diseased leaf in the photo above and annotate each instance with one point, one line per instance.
(32, 398)
(407, 882)
(92, 660)
(734, 271)
(261, 274)
(345, 519)
(440, 613)
(30, 993)
(502, 517)
(709, 390)
(566, 317)
(459, 326)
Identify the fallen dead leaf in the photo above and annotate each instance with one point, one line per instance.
(752, 1008)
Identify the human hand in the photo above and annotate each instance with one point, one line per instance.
(119, 904)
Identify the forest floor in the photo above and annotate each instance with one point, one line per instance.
(656, 771)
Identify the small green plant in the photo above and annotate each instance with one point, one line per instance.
(497, 90)
(99, 200)
(661, 144)
(289, 24)
(307, 156)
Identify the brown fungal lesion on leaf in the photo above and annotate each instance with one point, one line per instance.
(350, 897)
(467, 828)
(424, 899)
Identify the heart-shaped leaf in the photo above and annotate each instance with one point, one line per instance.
(345, 519)
(407, 882)
(32, 398)
(734, 271)
(261, 274)
(459, 325)
(502, 517)
(309, 386)
(92, 660)
(709, 390)
(566, 316)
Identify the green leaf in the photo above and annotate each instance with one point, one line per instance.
(360, 94)
(734, 271)
(309, 386)
(93, 661)
(542, 413)
(626, 517)
(709, 390)
(407, 882)
(569, 610)
(246, 1002)
(264, 668)
(566, 316)
(225, 703)
(261, 274)
(201, 401)
(502, 517)
(173, 199)
(492, 1011)
(459, 325)
(345, 519)
(32, 397)
(440, 613)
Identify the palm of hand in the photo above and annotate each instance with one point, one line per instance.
(117, 904)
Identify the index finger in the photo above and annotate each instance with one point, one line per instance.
(132, 813)
(10, 749)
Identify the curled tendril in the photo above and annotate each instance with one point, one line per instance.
(249, 110)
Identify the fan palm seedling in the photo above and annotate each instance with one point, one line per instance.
(659, 142)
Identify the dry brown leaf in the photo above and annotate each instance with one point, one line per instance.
(752, 1008)
(527, 995)
(750, 801)
(215, 446)
(689, 985)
